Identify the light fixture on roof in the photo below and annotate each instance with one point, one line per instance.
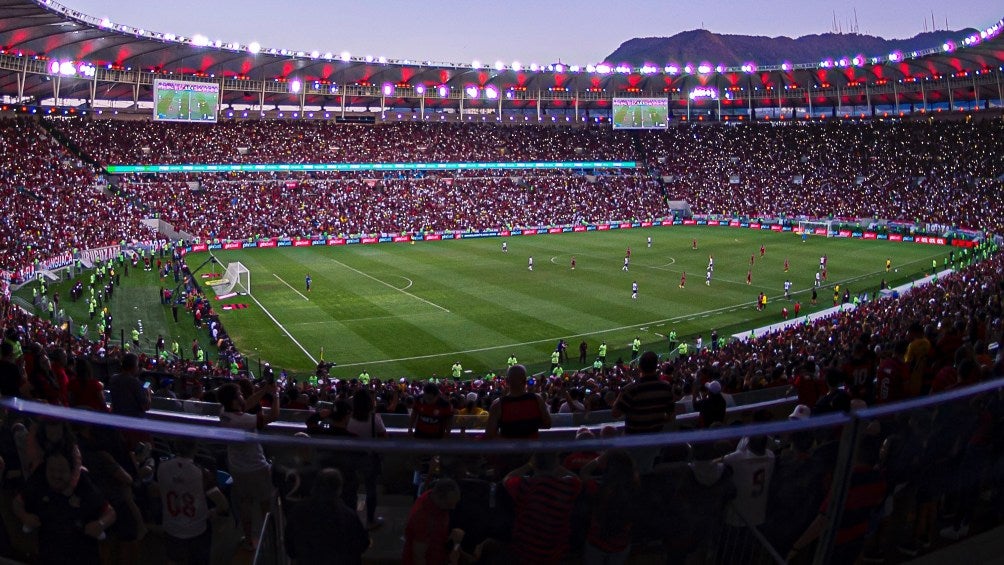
(346, 56)
(294, 86)
(476, 64)
(315, 54)
(491, 92)
(444, 91)
(499, 66)
(388, 89)
(517, 66)
(420, 89)
(472, 91)
(200, 40)
(254, 47)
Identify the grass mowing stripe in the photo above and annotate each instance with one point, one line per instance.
(390, 286)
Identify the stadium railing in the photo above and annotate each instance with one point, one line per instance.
(892, 480)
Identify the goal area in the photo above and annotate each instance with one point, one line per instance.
(821, 228)
(237, 278)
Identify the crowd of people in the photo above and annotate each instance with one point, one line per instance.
(73, 482)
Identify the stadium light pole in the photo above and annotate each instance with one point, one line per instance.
(1000, 94)
(868, 101)
(951, 96)
(538, 106)
(976, 94)
(895, 97)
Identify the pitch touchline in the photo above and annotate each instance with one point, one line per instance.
(402, 291)
(284, 330)
(290, 286)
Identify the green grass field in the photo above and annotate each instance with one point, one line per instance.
(412, 310)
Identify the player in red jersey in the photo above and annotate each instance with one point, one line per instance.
(683, 280)
(786, 264)
(749, 276)
(763, 250)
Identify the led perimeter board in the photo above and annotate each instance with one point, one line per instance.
(640, 113)
(184, 101)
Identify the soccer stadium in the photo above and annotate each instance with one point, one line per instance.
(275, 307)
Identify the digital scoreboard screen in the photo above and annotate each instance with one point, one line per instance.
(640, 113)
(184, 101)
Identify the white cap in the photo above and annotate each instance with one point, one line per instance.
(714, 387)
(801, 412)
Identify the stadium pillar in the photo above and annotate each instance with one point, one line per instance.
(303, 98)
(868, 101)
(261, 99)
(55, 89)
(538, 106)
(94, 90)
(688, 108)
(951, 96)
(836, 105)
(343, 105)
(719, 108)
(808, 97)
(500, 106)
(1000, 95)
(923, 97)
(421, 107)
(461, 107)
(895, 97)
(135, 92)
(976, 94)
(383, 106)
(576, 106)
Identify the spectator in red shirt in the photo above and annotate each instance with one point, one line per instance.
(544, 495)
(432, 415)
(427, 532)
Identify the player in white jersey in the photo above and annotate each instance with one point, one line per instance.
(819, 279)
(634, 290)
(529, 265)
(627, 261)
(707, 277)
(505, 247)
(649, 241)
(185, 489)
(787, 289)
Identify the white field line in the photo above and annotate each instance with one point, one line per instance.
(290, 286)
(284, 330)
(402, 291)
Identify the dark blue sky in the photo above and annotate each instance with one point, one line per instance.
(576, 32)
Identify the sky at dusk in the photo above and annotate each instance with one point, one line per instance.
(575, 32)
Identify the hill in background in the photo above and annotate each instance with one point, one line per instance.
(697, 46)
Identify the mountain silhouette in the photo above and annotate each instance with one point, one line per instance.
(702, 46)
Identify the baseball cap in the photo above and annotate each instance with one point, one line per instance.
(714, 387)
(584, 433)
(801, 412)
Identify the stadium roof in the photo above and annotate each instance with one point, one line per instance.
(111, 61)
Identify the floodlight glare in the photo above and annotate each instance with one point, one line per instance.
(472, 91)
(294, 86)
(491, 92)
(254, 48)
(420, 89)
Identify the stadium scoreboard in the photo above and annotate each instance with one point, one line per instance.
(640, 113)
(185, 101)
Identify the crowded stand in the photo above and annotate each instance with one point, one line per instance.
(681, 502)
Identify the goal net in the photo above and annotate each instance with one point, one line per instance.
(825, 229)
(237, 278)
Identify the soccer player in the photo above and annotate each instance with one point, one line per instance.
(634, 290)
(786, 264)
(752, 259)
(814, 296)
(824, 273)
(888, 264)
(573, 262)
(784, 312)
(530, 263)
(787, 289)
(707, 277)
(512, 360)
(505, 247)
(693, 244)
(822, 262)
(749, 276)
(627, 260)
(798, 308)
(627, 253)
(649, 241)
(711, 262)
(308, 280)
(763, 250)
(763, 301)
(819, 280)
(683, 280)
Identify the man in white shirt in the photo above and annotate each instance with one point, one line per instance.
(251, 471)
(185, 488)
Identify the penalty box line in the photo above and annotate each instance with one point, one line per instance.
(290, 287)
(371, 277)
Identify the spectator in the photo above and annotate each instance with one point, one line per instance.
(544, 495)
(309, 529)
(427, 532)
(647, 405)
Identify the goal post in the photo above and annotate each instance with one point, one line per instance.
(822, 228)
(237, 278)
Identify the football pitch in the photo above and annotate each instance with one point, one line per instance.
(413, 310)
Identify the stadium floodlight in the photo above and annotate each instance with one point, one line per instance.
(720, 69)
(420, 89)
(499, 66)
(388, 89)
(672, 69)
(517, 66)
(383, 60)
(444, 91)
(294, 86)
(472, 91)
(785, 66)
(200, 40)
(895, 56)
(105, 22)
(345, 56)
(749, 67)
(476, 64)
(559, 68)
(86, 69)
(858, 60)
(573, 68)
(54, 67)
(369, 58)
(704, 68)
(491, 92)
(315, 54)
(254, 47)
(534, 67)
(948, 47)
(66, 68)
(688, 68)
